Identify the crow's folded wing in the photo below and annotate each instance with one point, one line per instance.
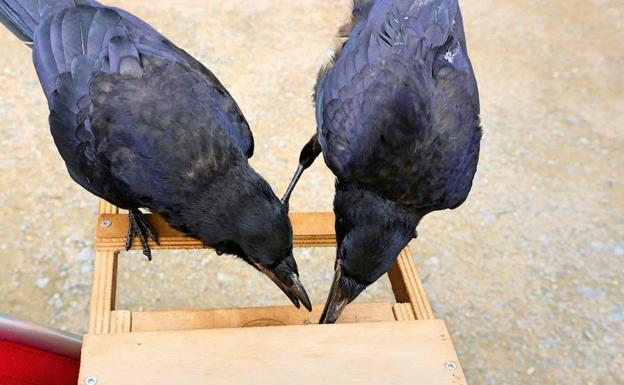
(78, 47)
(398, 111)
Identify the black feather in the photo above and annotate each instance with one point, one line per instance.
(142, 124)
(398, 122)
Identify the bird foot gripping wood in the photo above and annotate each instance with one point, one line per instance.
(137, 225)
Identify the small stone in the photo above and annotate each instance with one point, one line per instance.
(589, 292)
(42, 282)
(587, 334)
(598, 245)
(489, 218)
(530, 371)
(616, 316)
(575, 120)
(223, 278)
(57, 301)
(85, 254)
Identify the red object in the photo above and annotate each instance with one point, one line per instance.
(24, 365)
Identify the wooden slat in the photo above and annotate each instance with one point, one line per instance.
(407, 286)
(397, 353)
(309, 230)
(107, 208)
(121, 321)
(403, 312)
(251, 317)
(103, 291)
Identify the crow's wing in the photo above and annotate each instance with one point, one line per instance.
(70, 45)
(398, 111)
(163, 136)
(149, 41)
(86, 52)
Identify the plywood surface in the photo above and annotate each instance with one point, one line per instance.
(393, 353)
(103, 291)
(252, 316)
(309, 229)
(407, 285)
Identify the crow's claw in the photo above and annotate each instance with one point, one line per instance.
(138, 226)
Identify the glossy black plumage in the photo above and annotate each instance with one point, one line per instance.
(398, 123)
(142, 124)
(398, 111)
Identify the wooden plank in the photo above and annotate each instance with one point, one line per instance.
(121, 321)
(254, 316)
(103, 291)
(407, 286)
(107, 208)
(309, 230)
(397, 353)
(403, 312)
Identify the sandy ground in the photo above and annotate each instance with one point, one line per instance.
(528, 273)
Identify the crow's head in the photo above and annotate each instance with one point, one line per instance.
(239, 214)
(265, 239)
(371, 232)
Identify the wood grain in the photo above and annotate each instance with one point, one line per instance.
(309, 230)
(407, 286)
(396, 353)
(103, 291)
(254, 316)
(403, 312)
(107, 208)
(121, 321)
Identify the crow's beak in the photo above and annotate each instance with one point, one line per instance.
(288, 280)
(343, 291)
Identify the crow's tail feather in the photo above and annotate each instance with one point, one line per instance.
(21, 17)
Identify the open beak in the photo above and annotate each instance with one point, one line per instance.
(343, 291)
(290, 285)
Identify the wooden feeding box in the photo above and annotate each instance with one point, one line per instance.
(372, 343)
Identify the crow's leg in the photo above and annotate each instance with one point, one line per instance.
(308, 155)
(138, 226)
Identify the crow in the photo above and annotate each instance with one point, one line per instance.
(398, 123)
(142, 124)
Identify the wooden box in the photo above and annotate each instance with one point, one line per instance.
(373, 343)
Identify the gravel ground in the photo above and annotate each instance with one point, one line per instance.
(528, 273)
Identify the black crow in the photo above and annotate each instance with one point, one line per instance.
(398, 123)
(142, 124)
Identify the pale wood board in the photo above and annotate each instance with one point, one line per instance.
(403, 312)
(395, 353)
(121, 321)
(407, 286)
(309, 230)
(253, 317)
(103, 291)
(107, 208)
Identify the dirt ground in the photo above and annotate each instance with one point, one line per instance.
(528, 273)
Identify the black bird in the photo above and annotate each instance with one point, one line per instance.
(141, 123)
(398, 123)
